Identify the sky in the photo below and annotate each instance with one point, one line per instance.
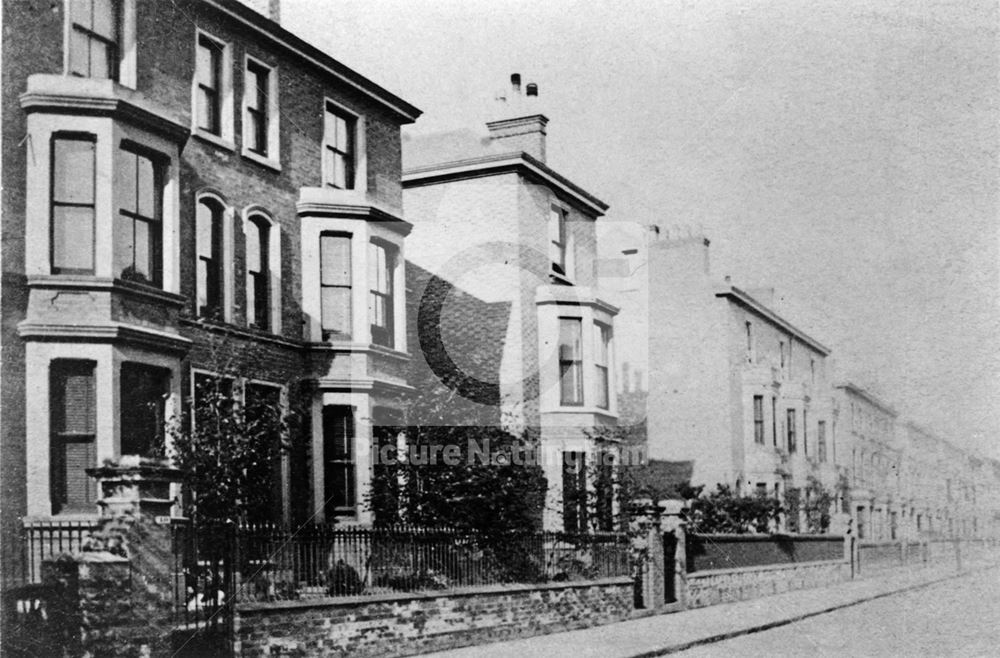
(844, 153)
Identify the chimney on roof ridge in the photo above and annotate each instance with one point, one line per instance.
(525, 131)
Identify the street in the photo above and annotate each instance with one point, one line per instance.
(959, 617)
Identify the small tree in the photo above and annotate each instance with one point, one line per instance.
(228, 451)
(817, 506)
(724, 511)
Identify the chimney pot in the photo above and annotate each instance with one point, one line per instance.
(515, 82)
(532, 89)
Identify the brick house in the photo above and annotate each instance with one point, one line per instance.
(191, 193)
(871, 450)
(492, 222)
(733, 385)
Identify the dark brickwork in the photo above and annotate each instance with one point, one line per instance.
(410, 625)
(165, 35)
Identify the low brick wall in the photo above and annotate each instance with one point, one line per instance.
(706, 588)
(402, 625)
(709, 552)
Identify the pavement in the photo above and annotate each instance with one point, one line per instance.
(661, 634)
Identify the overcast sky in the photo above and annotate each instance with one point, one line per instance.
(843, 152)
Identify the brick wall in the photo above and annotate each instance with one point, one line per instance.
(727, 585)
(408, 624)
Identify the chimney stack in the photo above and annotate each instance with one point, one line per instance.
(526, 130)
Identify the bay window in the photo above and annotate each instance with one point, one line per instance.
(73, 191)
(338, 452)
(602, 347)
(335, 284)
(381, 301)
(138, 231)
(570, 362)
(73, 427)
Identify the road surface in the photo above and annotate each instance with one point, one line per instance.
(958, 617)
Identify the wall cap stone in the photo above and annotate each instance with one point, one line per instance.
(423, 596)
(708, 573)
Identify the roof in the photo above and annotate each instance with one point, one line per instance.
(742, 298)
(441, 157)
(282, 37)
(869, 397)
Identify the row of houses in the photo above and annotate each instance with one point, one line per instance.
(751, 401)
(194, 194)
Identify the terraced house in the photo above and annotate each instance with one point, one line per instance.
(192, 194)
(735, 387)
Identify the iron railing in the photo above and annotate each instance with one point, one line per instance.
(47, 538)
(314, 561)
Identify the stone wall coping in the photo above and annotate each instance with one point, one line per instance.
(330, 602)
(763, 567)
(723, 537)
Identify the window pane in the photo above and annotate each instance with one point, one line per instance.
(101, 60)
(601, 335)
(206, 110)
(571, 383)
(125, 168)
(341, 135)
(73, 171)
(147, 193)
(569, 339)
(143, 251)
(80, 11)
(207, 66)
(253, 247)
(202, 283)
(143, 395)
(335, 259)
(555, 225)
(124, 246)
(73, 398)
(602, 387)
(79, 53)
(104, 19)
(207, 220)
(336, 303)
(339, 170)
(73, 238)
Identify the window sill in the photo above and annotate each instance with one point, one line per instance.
(261, 160)
(560, 279)
(214, 139)
(596, 411)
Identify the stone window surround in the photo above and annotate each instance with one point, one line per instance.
(127, 56)
(227, 137)
(273, 158)
(360, 154)
(227, 298)
(273, 263)
(363, 226)
(95, 108)
(108, 358)
(555, 302)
